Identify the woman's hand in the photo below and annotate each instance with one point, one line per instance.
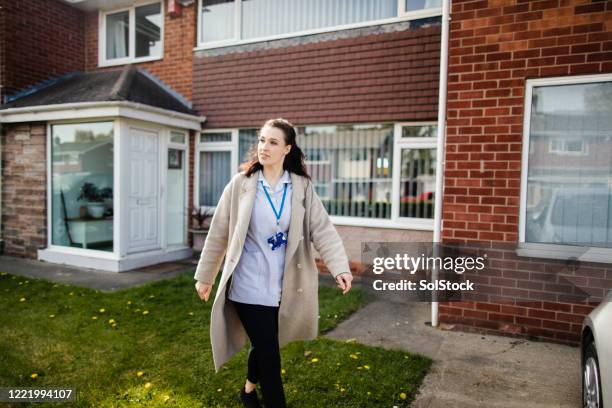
(344, 282)
(203, 290)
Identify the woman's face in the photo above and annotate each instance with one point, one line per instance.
(272, 149)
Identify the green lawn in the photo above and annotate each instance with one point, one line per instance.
(157, 352)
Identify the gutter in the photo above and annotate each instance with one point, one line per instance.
(441, 137)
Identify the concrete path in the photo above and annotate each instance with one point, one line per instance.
(92, 278)
(470, 370)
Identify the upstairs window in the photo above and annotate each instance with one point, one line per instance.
(229, 22)
(133, 34)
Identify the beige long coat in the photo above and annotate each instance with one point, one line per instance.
(299, 309)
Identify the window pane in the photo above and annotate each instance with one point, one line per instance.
(177, 137)
(215, 173)
(148, 30)
(417, 183)
(261, 18)
(217, 20)
(117, 35)
(350, 167)
(246, 139)
(569, 195)
(82, 185)
(176, 211)
(413, 5)
(216, 137)
(420, 131)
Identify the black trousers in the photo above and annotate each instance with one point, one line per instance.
(264, 364)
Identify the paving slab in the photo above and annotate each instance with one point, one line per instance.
(92, 278)
(470, 370)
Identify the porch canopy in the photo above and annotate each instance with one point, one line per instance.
(117, 157)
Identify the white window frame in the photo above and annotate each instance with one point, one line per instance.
(552, 251)
(225, 146)
(115, 254)
(395, 222)
(102, 60)
(402, 15)
(184, 147)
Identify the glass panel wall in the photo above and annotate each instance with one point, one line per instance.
(82, 185)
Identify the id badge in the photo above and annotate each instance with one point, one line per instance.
(277, 240)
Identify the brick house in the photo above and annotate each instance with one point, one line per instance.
(361, 82)
(529, 159)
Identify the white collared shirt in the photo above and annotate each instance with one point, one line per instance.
(258, 276)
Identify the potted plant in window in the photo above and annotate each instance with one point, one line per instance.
(202, 217)
(94, 199)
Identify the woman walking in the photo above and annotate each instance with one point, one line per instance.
(264, 224)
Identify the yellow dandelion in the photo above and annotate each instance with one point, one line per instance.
(353, 356)
(111, 321)
(147, 385)
(166, 398)
(94, 317)
(139, 373)
(102, 310)
(71, 293)
(402, 395)
(314, 360)
(22, 299)
(367, 367)
(114, 325)
(338, 364)
(129, 302)
(369, 393)
(359, 368)
(33, 376)
(190, 313)
(283, 371)
(219, 389)
(145, 312)
(358, 352)
(51, 315)
(342, 389)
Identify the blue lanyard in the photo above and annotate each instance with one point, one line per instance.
(279, 213)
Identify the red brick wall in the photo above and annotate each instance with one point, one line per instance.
(24, 199)
(40, 39)
(175, 68)
(373, 78)
(494, 47)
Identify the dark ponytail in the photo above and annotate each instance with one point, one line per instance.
(294, 160)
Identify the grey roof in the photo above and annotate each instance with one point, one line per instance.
(126, 84)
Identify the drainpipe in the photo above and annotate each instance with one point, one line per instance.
(440, 144)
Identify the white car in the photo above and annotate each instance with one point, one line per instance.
(596, 349)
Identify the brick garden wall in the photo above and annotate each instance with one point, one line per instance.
(494, 47)
(24, 188)
(390, 76)
(40, 40)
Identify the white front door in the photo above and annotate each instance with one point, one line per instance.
(143, 191)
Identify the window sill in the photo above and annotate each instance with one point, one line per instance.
(406, 224)
(124, 61)
(565, 252)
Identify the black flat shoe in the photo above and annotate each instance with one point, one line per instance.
(249, 399)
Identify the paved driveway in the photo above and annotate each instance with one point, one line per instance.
(470, 370)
